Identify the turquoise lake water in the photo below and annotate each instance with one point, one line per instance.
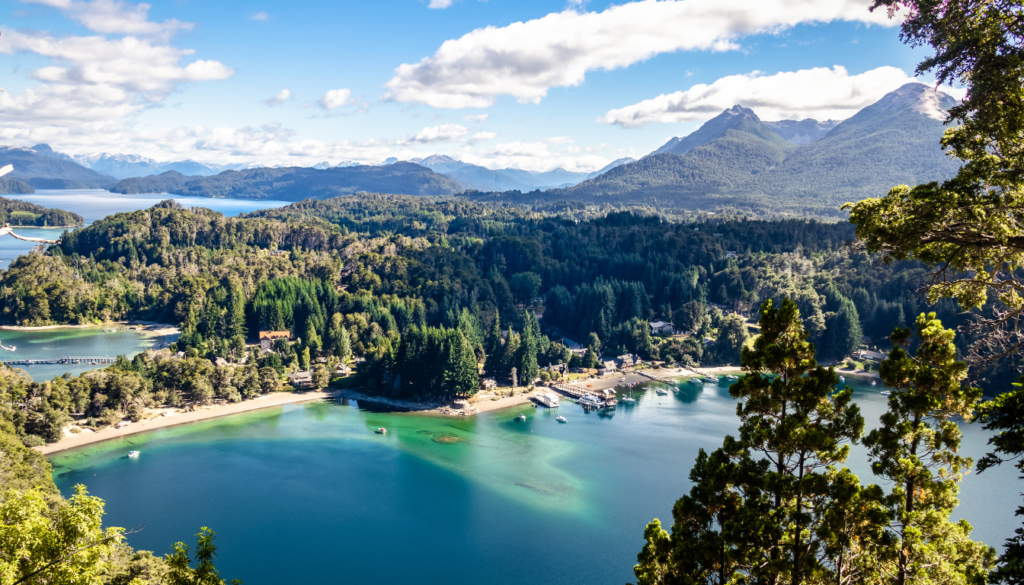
(95, 204)
(309, 494)
(64, 342)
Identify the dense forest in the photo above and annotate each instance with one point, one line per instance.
(21, 213)
(385, 271)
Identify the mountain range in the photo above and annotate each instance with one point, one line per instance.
(734, 161)
(737, 161)
(297, 183)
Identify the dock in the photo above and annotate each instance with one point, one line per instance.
(62, 361)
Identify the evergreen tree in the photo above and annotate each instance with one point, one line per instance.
(916, 449)
(843, 334)
(526, 356)
(461, 377)
(338, 338)
(758, 506)
(495, 350)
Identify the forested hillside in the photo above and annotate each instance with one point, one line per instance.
(375, 266)
(737, 162)
(21, 213)
(47, 172)
(296, 183)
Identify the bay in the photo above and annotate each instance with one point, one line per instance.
(48, 344)
(95, 204)
(309, 494)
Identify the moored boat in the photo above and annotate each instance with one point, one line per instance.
(591, 401)
(548, 399)
(380, 431)
(562, 419)
(661, 391)
(521, 418)
(134, 454)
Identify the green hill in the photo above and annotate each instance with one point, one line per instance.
(736, 161)
(296, 183)
(22, 213)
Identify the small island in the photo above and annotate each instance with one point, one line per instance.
(23, 214)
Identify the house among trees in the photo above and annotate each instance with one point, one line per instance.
(488, 384)
(300, 379)
(606, 368)
(662, 327)
(342, 370)
(267, 338)
(869, 355)
(730, 254)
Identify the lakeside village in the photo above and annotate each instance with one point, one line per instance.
(593, 380)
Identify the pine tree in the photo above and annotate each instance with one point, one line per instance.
(461, 377)
(916, 449)
(526, 357)
(495, 350)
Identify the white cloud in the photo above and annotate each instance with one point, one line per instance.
(116, 17)
(442, 133)
(96, 78)
(531, 156)
(439, 3)
(478, 118)
(279, 98)
(560, 140)
(482, 137)
(260, 16)
(820, 93)
(526, 59)
(335, 98)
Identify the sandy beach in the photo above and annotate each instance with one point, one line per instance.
(179, 418)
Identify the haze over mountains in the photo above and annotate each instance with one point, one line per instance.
(735, 160)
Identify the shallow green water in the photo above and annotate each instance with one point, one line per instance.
(57, 343)
(309, 494)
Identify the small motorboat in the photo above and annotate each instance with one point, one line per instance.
(711, 379)
(695, 381)
(629, 399)
(661, 391)
(521, 418)
(731, 377)
(134, 454)
(562, 419)
(874, 383)
(886, 393)
(380, 431)
(842, 379)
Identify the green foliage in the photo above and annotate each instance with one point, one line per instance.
(916, 450)
(21, 213)
(204, 573)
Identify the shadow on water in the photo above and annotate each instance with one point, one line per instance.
(374, 407)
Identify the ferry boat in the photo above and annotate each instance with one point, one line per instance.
(548, 399)
(591, 401)
(562, 419)
(134, 454)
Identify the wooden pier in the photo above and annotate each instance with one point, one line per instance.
(70, 360)
(570, 390)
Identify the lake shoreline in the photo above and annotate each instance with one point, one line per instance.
(182, 418)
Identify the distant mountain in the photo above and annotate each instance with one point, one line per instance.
(485, 179)
(802, 131)
(610, 166)
(42, 168)
(296, 183)
(737, 161)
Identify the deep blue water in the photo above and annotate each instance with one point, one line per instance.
(308, 494)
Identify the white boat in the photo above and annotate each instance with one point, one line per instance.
(548, 399)
(711, 379)
(842, 379)
(629, 399)
(134, 454)
(591, 401)
(874, 383)
(886, 392)
(661, 391)
(521, 418)
(561, 419)
(695, 381)
(731, 377)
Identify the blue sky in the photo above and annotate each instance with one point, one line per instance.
(526, 83)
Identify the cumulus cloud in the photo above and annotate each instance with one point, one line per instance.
(439, 4)
(260, 16)
(560, 140)
(526, 59)
(478, 118)
(482, 137)
(335, 98)
(820, 93)
(116, 17)
(442, 133)
(97, 78)
(279, 98)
